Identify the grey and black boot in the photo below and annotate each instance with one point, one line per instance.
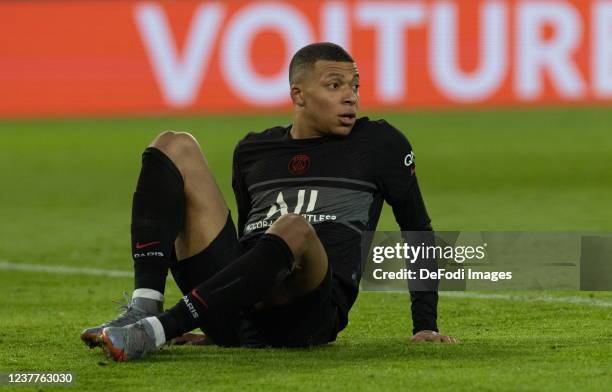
(136, 309)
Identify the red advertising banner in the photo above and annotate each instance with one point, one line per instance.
(120, 57)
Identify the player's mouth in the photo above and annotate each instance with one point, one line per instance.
(347, 118)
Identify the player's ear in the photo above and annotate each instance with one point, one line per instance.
(297, 95)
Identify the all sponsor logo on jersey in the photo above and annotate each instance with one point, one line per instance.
(280, 208)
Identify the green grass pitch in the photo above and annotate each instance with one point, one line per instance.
(65, 200)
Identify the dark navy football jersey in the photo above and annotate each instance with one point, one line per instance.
(339, 184)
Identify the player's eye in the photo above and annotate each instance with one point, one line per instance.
(334, 85)
(356, 87)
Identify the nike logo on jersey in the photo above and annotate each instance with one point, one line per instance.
(146, 244)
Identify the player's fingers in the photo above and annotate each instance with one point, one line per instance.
(430, 338)
(201, 342)
(436, 338)
(449, 339)
(176, 342)
(190, 339)
(419, 339)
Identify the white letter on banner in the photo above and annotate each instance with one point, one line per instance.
(334, 24)
(601, 49)
(443, 49)
(179, 77)
(390, 19)
(534, 54)
(236, 64)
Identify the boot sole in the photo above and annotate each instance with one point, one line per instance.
(111, 351)
(91, 339)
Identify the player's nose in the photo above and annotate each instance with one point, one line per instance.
(350, 97)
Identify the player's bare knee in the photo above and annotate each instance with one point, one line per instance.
(295, 230)
(164, 140)
(180, 147)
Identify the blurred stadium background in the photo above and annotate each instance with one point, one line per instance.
(507, 104)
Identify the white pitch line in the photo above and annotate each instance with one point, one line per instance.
(528, 298)
(575, 300)
(60, 269)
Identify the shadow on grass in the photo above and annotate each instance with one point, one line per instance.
(359, 352)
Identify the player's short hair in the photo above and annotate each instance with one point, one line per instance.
(306, 57)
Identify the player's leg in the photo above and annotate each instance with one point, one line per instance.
(177, 205)
(300, 312)
(310, 265)
(206, 211)
(287, 262)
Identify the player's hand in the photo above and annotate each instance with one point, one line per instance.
(192, 339)
(432, 336)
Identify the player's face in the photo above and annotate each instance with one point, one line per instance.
(331, 97)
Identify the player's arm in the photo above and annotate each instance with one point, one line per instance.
(396, 173)
(243, 201)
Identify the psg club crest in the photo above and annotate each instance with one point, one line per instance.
(299, 164)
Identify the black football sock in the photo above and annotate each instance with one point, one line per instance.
(240, 285)
(158, 215)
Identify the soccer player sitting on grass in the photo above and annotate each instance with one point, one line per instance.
(305, 193)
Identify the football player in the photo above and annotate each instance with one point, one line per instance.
(289, 275)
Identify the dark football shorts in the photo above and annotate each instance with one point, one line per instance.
(307, 321)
